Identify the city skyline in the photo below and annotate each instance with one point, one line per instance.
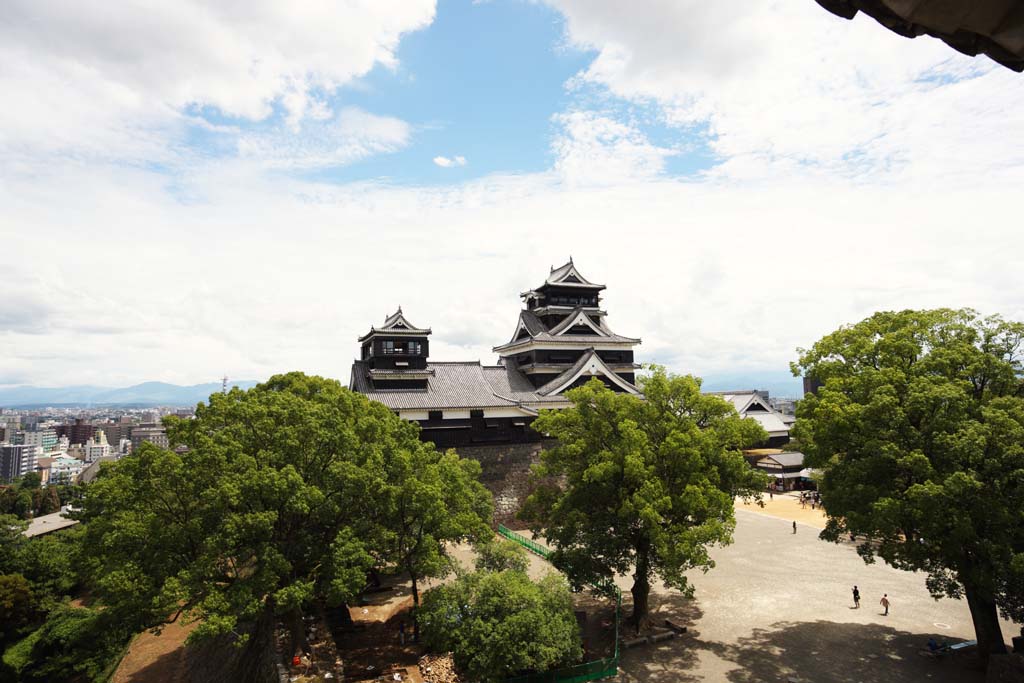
(199, 193)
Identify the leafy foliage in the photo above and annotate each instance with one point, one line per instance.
(500, 623)
(11, 542)
(17, 606)
(27, 498)
(430, 499)
(497, 556)
(919, 428)
(51, 564)
(74, 644)
(648, 484)
(283, 495)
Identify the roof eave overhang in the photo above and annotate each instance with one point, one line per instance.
(598, 343)
(399, 332)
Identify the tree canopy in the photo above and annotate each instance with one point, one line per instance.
(500, 623)
(497, 556)
(642, 485)
(272, 499)
(919, 428)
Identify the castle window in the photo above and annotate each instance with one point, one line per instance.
(433, 415)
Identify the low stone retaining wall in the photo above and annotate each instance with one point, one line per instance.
(506, 474)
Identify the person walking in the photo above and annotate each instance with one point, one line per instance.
(794, 527)
(884, 602)
(856, 598)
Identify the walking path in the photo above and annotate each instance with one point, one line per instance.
(786, 506)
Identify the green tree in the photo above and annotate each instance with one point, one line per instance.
(499, 623)
(74, 644)
(497, 556)
(8, 496)
(431, 499)
(648, 485)
(49, 501)
(23, 504)
(919, 429)
(11, 542)
(31, 481)
(271, 505)
(17, 606)
(51, 564)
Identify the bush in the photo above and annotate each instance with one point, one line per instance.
(74, 644)
(499, 623)
(497, 556)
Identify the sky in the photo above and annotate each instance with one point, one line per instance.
(192, 189)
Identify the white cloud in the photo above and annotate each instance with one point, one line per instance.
(595, 149)
(226, 269)
(787, 86)
(446, 162)
(92, 84)
(266, 275)
(352, 135)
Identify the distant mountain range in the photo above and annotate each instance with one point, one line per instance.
(778, 384)
(140, 395)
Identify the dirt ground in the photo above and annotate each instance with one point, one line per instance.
(786, 506)
(778, 607)
(153, 658)
(374, 648)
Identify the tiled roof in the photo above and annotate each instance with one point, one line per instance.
(771, 422)
(788, 459)
(585, 359)
(539, 332)
(533, 324)
(559, 274)
(559, 277)
(400, 371)
(452, 385)
(511, 383)
(396, 323)
(569, 319)
(459, 385)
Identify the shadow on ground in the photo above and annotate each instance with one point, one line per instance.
(671, 660)
(840, 653)
(809, 652)
(167, 668)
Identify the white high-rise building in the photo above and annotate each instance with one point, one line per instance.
(96, 447)
(17, 460)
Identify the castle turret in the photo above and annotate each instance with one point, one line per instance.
(562, 338)
(395, 354)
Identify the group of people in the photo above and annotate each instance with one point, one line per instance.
(812, 497)
(884, 602)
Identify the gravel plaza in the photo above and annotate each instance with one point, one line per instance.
(778, 607)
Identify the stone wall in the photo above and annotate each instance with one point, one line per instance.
(506, 474)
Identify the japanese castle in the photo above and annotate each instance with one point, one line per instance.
(561, 340)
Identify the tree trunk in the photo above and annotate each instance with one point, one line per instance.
(251, 663)
(986, 624)
(297, 632)
(415, 610)
(641, 590)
